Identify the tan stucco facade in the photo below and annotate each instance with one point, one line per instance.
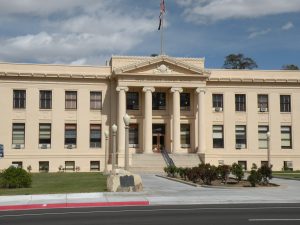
(147, 75)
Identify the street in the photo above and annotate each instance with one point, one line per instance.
(256, 214)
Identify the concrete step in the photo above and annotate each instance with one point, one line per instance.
(148, 160)
(185, 160)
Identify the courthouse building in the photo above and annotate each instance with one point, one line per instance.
(55, 116)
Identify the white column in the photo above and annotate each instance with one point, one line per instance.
(201, 120)
(176, 119)
(121, 112)
(148, 120)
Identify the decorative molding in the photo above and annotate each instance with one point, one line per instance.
(162, 69)
(145, 89)
(252, 80)
(176, 89)
(118, 89)
(201, 90)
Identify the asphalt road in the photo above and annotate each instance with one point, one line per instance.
(254, 214)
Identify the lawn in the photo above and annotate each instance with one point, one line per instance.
(58, 183)
(287, 174)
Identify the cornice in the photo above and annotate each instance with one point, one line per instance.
(54, 75)
(253, 80)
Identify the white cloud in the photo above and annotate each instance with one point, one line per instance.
(204, 11)
(287, 26)
(73, 31)
(256, 33)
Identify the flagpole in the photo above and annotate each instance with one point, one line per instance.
(162, 36)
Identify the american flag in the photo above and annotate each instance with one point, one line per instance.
(162, 11)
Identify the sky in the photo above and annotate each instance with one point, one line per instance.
(89, 32)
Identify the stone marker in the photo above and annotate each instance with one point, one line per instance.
(124, 181)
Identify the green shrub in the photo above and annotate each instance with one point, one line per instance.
(254, 177)
(237, 171)
(171, 170)
(193, 174)
(223, 172)
(15, 178)
(266, 173)
(182, 172)
(208, 173)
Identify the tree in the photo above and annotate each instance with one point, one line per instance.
(238, 61)
(290, 67)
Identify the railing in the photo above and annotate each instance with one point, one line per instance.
(169, 161)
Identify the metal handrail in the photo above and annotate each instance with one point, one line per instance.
(169, 161)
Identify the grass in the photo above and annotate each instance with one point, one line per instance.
(287, 174)
(59, 183)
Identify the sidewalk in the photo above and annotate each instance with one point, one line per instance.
(159, 191)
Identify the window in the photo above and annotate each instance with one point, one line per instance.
(17, 164)
(217, 101)
(288, 165)
(240, 137)
(185, 101)
(45, 99)
(95, 136)
(240, 103)
(69, 165)
(18, 135)
(71, 100)
(94, 165)
(45, 135)
(70, 135)
(132, 100)
(263, 103)
(243, 164)
(285, 103)
(96, 100)
(133, 135)
(185, 135)
(263, 137)
(286, 137)
(44, 166)
(218, 136)
(19, 99)
(158, 101)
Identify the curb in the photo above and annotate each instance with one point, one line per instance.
(72, 205)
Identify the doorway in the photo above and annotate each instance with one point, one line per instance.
(158, 137)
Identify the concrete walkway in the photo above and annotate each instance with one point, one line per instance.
(160, 191)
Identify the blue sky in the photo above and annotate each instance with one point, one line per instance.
(90, 31)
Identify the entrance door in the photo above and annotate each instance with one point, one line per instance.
(158, 138)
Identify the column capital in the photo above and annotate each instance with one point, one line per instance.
(175, 89)
(119, 88)
(145, 89)
(199, 90)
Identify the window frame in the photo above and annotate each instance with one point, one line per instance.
(22, 144)
(265, 139)
(95, 101)
(244, 142)
(263, 103)
(285, 139)
(185, 134)
(19, 99)
(133, 135)
(159, 101)
(45, 101)
(67, 141)
(217, 101)
(285, 106)
(70, 101)
(132, 100)
(96, 169)
(95, 142)
(48, 143)
(185, 101)
(240, 103)
(217, 140)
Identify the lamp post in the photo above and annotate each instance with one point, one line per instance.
(106, 134)
(269, 157)
(114, 129)
(126, 120)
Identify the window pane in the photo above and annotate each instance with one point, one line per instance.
(218, 136)
(18, 133)
(95, 135)
(96, 100)
(185, 135)
(132, 100)
(133, 135)
(159, 101)
(185, 101)
(217, 100)
(71, 100)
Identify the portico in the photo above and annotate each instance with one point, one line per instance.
(159, 84)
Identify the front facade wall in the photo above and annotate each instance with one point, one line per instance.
(201, 117)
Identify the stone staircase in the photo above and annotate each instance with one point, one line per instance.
(155, 163)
